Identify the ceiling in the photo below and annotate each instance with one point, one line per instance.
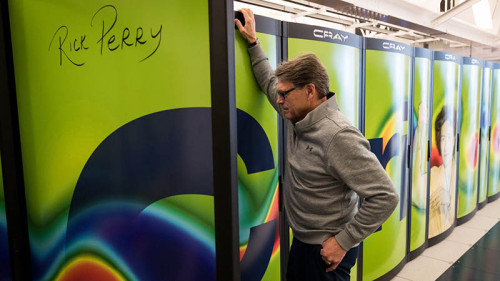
(415, 22)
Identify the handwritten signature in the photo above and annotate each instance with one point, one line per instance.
(110, 38)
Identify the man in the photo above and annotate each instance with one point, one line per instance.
(328, 165)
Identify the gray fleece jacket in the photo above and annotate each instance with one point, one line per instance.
(329, 164)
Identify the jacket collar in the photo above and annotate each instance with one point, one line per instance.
(318, 113)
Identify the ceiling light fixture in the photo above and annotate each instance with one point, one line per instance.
(453, 12)
(482, 14)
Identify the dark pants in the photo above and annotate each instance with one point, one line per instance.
(305, 264)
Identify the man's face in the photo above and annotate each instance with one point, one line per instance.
(296, 103)
(447, 143)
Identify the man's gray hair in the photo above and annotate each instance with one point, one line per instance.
(304, 70)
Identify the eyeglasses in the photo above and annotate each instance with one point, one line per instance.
(283, 94)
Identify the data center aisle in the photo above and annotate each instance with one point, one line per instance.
(471, 252)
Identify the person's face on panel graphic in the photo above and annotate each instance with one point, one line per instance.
(446, 143)
(422, 116)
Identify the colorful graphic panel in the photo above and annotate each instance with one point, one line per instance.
(340, 52)
(257, 179)
(115, 119)
(484, 147)
(469, 136)
(387, 91)
(442, 207)
(420, 130)
(494, 181)
(4, 241)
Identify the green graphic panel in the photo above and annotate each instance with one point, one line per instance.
(494, 182)
(442, 206)
(84, 70)
(469, 139)
(342, 63)
(419, 164)
(387, 90)
(258, 192)
(484, 138)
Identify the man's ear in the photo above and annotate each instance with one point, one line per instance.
(311, 91)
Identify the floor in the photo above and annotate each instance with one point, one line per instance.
(471, 252)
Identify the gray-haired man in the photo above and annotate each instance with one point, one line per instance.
(329, 164)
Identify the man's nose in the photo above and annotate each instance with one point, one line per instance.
(280, 100)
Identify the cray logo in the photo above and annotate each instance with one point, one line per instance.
(389, 45)
(449, 57)
(474, 61)
(318, 33)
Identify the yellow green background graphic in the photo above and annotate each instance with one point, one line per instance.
(421, 107)
(484, 138)
(342, 63)
(4, 241)
(494, 182)
(469, 138)
(387, 89)
(258, 191)
(442, 207)
(87, 74)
